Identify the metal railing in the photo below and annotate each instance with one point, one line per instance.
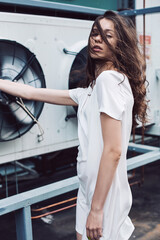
(21, 203)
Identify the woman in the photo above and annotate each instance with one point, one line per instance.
(110, 101)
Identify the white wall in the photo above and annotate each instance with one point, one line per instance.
(153, 63)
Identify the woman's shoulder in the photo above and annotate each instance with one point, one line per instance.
(79, 90)
(111, 76)
(77, 93)
(116, 82)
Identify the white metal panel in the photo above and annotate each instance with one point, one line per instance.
(153, 50)
(46, 37)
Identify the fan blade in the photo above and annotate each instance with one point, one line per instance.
(20, 114)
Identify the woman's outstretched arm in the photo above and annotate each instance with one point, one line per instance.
(53, 96)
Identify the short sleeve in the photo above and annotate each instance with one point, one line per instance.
(110, 95)
(76, 93)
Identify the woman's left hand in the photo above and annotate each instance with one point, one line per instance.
(94, 224)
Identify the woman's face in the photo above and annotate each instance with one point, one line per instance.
(99, 48)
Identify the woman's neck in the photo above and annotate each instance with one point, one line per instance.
(106, 66)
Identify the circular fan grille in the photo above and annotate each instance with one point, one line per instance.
(78, 70)
(17, 63)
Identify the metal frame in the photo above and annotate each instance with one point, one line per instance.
(21, 203)
(72, 8)
(149, 154)
(135, 12)
(53, 6)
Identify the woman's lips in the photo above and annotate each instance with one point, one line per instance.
(97, 49)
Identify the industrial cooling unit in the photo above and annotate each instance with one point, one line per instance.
(42, 52)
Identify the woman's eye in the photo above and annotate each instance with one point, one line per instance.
(94, 34)
(109, 36)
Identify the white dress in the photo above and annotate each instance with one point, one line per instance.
(114, 97)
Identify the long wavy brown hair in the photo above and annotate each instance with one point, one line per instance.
(127, 59)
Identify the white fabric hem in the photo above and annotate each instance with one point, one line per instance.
(77, 230)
